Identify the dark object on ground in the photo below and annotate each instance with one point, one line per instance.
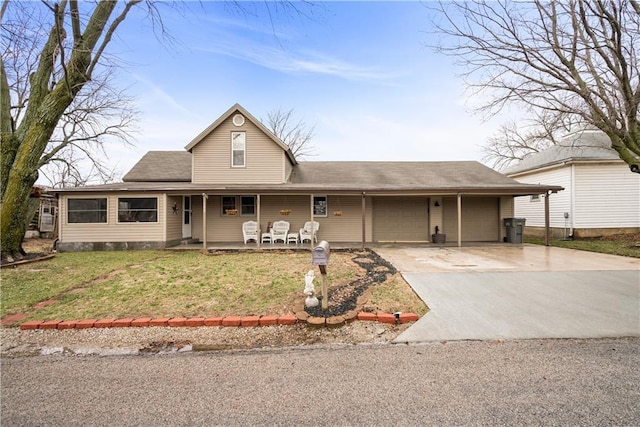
(344, 298)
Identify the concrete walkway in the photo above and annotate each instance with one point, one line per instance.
(519, 292)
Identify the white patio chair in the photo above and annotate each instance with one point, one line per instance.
(309, 232)
(250, 231)
(279, 231)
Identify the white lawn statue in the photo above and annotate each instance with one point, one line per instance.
(309, 290)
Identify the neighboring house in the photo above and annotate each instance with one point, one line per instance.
(236, 170)
(601, 195)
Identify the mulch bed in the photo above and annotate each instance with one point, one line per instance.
(343, 299)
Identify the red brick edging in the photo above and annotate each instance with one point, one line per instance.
(245, 321)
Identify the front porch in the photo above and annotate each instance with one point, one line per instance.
(239, 246)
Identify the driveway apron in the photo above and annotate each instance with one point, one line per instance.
(519, 292)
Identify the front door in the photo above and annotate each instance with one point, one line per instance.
(186, 217)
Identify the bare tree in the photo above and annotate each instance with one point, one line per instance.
(59, 105)
(295, 134)
(43, 114)
(73, 169)
(517, 139)
(575, 58)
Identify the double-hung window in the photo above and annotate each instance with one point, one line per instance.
(238, 149)
(248, 205)
(229, 206)
(243, 205)
(85, 211)
(319, 205)
(137, 209)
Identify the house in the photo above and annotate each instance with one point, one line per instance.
(236, 170)
(601, 196)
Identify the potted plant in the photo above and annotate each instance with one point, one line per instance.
(231, 212)
(438, 237)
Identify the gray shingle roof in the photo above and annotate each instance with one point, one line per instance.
(161, 166)
(171, 171)
(579, 146)
(440, 175)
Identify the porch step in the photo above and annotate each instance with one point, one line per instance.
(189, 241)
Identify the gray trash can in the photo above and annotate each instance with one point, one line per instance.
(514, 229)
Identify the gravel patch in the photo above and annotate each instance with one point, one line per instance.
(152, 340)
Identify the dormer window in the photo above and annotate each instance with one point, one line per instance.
(238, 148)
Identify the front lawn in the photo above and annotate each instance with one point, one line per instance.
(86, 285)
(621, 244)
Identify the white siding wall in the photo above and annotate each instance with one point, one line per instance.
(264, 159)
(559, 203)
(606, 196)
(595, 196)
(113, 231)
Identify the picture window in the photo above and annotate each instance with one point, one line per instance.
(138, 209)
(87, 211)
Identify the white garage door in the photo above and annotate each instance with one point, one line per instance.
(400, 219)
(480, 219)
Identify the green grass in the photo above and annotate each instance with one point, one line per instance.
(623, 245)
(171, 284)
(31, 283)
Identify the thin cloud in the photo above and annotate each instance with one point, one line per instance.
(160, 93)
(253, 50)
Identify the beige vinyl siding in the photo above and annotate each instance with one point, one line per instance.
(112, 231)
(264, 159)
(174, 220)
(348, 226)
(400, 219)
(481, 220)
(288, 168)
(506, 211)
(333, 228)
(606, 196)
(196, 217)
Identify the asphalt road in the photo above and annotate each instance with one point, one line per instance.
(541, 382)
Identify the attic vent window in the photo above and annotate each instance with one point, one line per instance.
(238, 120)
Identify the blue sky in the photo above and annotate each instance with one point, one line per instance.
(360, 72)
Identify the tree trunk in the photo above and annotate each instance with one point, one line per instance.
(43, 113)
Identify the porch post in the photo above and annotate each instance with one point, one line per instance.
(459, 220)
(259, 239)
(204, 222)
(311, 215)
(364, 228)
(546, 218)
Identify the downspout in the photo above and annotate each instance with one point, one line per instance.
(204, 222)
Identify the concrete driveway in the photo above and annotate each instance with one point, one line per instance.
(518, 292)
